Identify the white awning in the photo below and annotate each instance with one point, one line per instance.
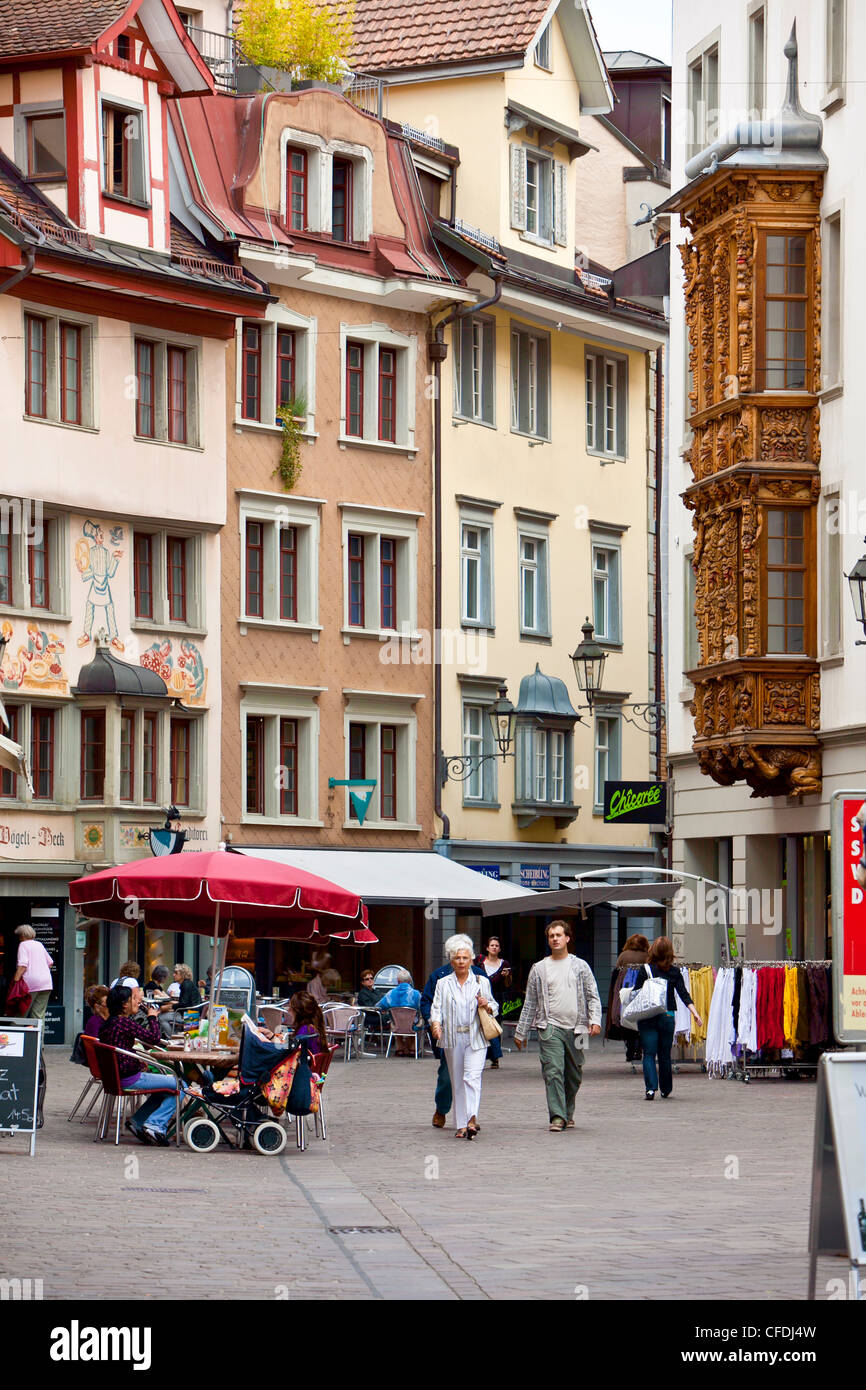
(633, 905)
(12, 759)
(395, 876)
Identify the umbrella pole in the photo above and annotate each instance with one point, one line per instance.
(223, 953)
(213, 964)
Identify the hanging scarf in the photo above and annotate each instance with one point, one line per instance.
(720, 1025)
(771, 989)
(747, 1031)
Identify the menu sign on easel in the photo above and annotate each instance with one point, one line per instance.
(838, 1218)
(20, 1050)
(847, 814)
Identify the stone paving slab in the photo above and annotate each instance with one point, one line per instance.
(717, 1180)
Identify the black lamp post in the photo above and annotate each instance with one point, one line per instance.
(588, 659)
(857, 582)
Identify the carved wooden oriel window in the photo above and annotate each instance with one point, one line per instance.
(789, 611)
(783, 300)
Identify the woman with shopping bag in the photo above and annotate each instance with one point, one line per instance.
(462, 1000)
(653, 1005)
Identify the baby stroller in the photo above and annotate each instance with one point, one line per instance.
(243, 1106)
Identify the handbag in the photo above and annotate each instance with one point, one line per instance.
(489, 1026)
(625, 995)
(18, 998)
(649, 1001)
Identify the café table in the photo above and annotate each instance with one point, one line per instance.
(207, 1057)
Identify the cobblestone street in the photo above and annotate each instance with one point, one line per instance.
(521, 1213)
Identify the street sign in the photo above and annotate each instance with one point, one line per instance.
(635, 803)
(849, 916)
(837, 1224)
(20, 1051)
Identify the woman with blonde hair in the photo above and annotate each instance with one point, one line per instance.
(34, 968)
(454, 1023)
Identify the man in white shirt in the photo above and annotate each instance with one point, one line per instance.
(562, 1002)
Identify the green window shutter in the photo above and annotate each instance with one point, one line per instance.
(621, 406)
(488, 386)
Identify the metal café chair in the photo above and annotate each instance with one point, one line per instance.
(105, 1059)
(343, 1026)
(405, 1023)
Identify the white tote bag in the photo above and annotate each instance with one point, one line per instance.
(647, 1002)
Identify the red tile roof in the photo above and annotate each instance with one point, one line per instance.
(421, 33)
(54, 26)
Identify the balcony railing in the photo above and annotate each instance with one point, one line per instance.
(221, 53)
(367, 93)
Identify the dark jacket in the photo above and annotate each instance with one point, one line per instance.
(498, 987)
(189, 995)
(676, 984)
(429, 991)
(631, 958)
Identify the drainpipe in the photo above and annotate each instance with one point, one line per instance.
(438, 351)
(19, 275)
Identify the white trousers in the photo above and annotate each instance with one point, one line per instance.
(465, 1068)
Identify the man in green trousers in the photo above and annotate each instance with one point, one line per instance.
(563, 1004)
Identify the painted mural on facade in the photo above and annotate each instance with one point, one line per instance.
(33, 660)
(97, 567)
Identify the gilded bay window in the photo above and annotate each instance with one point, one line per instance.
(783, 302)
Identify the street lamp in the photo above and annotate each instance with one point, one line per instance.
(857, 581)
(502, 717)
(588, 659)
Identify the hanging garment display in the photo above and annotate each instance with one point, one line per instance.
(771, 988)
(747, 1024)
(683, 1021)
(720, 1025)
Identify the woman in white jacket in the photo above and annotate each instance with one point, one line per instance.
(454, 1025)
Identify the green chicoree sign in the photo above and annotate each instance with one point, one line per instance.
(641, 803)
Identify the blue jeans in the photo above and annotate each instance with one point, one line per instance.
(155, 1113)
(494, 1050)
(657, 1037)
(444, 1094)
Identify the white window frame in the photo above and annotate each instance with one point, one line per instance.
(833, 300)
(539, 393)
(607, 755)
(831, 581)
(273, 703)
(481, 786)
(836, 11)
(23, 528)
(757, 60)
(139, 112)
(610, 633)
(374, 523)
(306, 332)
(607, 431)
(375, 336)
(482, 522)
(541, 53)
(195, 625)
(320, 166)
(162, 342)
(704, 68)
(540, 567)
(481, 410)
(65, 729)
(553, 196)
(375, 708)
(22, 116)
(275, 510)
(543, 761)
(89, 341)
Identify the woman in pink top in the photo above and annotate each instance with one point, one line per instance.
(34, 966)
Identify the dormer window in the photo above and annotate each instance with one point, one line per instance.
(46, 145)
(341, 200)
(542, 49)
(296, 188)
(123, 153)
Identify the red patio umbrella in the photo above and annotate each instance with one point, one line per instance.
(197, 891)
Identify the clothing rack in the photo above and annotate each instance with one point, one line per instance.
(744, 1068)
(681, 1060)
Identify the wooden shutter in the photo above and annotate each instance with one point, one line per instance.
(518, 188)
(488, 384)
(560, 203)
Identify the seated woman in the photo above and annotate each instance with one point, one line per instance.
(120, 1030)
(403, 995)
(187, 998)
(309, 1022)
(95, 998)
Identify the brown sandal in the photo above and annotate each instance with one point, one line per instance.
(471, 1128)
(460, 1134)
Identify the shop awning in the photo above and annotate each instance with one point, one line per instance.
(590, 895)
(394, 876)
(12, 759)
(633, 904)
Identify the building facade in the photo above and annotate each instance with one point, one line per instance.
(547, 455)
(112, 397)
(328, 576)
(767, 721)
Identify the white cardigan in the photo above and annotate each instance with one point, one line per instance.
(444, 1010)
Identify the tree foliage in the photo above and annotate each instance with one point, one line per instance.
(309, 40)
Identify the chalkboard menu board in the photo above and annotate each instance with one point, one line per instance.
(236, 987)
(20, 1047)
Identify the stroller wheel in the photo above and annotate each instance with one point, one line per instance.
(202, 1135)
(270, 1138)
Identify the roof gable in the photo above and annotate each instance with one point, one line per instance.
(405, 34)
(61, 28)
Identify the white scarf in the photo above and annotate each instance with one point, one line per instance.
(720, 1025)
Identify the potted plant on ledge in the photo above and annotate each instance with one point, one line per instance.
(292, 415)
